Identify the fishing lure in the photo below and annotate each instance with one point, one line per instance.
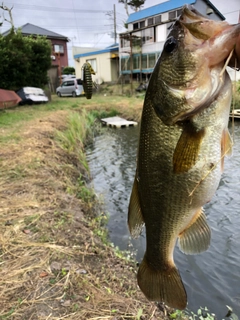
(87, 72)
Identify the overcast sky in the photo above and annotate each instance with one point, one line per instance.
(87, 23)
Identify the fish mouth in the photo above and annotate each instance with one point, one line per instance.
(200, 26)
(210, 43)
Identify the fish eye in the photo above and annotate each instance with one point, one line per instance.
(170, 44)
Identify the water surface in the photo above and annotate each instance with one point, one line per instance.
(211, 278)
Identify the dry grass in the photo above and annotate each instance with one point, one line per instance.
(53, 265)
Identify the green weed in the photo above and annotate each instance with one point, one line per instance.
(78, 128)
(83, 191)
(202, 314)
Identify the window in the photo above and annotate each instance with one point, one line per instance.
(93, 63)
(125, 43)
(68, 83)
(139, 25)
(135, 62)
(161, 33)
(151, 60)
(148, 35)
(172, 15)
(150, 21)
(123, 60)
(125, 63)
(144, 61)
(158, 19)
(135, 26)
(136, 41)
(58, 48)
(179, 12)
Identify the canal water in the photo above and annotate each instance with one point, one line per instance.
(212, 279)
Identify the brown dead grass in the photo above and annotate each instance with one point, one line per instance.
(52, 263)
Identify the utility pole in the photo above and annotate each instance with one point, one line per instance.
(115, 23)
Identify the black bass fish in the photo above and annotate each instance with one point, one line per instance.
(183, 140)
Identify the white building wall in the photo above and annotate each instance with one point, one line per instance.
(103, 70)
(153, 47)
(161, 32)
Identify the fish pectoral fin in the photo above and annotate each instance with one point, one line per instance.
(187, 149)
(196, 237)
(226, 146)
(163, 285)
(135, 217)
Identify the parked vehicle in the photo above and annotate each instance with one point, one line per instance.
(142, 87)
(70, 87)
(66, 76)
(8, 99)
(30, 95)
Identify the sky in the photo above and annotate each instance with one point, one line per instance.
(87, 23)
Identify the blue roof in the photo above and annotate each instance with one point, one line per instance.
(165, 7)
(111, 48)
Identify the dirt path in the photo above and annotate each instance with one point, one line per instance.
(54, 260)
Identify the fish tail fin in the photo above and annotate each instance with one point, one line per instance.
(162, 285)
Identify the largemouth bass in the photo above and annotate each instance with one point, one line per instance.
(183, 140)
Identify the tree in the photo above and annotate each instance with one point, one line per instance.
(68, 70)
(5, 8)
(24, 60)
(134, 4)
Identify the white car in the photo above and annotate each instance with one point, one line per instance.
(70, 87)
(30, 95)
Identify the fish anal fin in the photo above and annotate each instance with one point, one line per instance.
(226, 146)
(187, 149)
(196, 237)
(135, 218)
(163, 285)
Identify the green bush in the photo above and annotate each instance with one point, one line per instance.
(24, 60)
(68, 70)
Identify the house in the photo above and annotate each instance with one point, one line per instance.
(105, 62)
(142, 44)
(59, 50)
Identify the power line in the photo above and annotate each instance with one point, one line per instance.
(48, 8)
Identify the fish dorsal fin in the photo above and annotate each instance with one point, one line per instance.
(197, 236)
(187, 149)
(226, 146)
(135, 218)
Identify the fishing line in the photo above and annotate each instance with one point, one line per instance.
(234, 101)
(234, 98)
(208, 172)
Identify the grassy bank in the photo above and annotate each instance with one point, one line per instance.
(55, 259)
(56, 262)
